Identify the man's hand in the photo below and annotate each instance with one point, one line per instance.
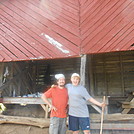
(52, 107)
(103, 104)
(53, 86)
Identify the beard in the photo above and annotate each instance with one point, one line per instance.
(61, 85)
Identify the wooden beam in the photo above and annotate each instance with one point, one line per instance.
(39, 122)
(90, 74)
(128, 106)
(1, 72)
(100, 99)
(112, 117)
(38, 100)
(22, 100)
(42, 123)
(113, 126)
(83, 70)
(1, 76)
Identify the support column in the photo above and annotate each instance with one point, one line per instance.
(1, 73)
(83, 69)
(90, 76)
(1, 76)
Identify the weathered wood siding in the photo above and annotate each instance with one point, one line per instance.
(15, 79)
(32, 77)
(49, 29)
(113, 73)
(113, 131)
(44, 71)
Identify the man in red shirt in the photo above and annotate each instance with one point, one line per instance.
(58, 105)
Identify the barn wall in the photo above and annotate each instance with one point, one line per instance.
(112, 73)
(14, 78)
(43, 71)
(20, 78)
(113, 132)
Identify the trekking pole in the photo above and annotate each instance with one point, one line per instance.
(102, 115)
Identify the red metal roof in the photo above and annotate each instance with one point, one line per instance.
(48, 29)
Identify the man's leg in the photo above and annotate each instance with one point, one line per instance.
(85, 124)
(62, 126)
(75, 132)
(74, 124)
(86, 132)
(54, 125)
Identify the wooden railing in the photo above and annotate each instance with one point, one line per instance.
(38, 100)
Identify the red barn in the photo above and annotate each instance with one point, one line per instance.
(95, 38)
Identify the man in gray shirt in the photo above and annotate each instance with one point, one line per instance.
(78, 110)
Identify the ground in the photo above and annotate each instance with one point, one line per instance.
(22, 129)
(25, 111)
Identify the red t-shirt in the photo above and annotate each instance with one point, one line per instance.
(59, 100)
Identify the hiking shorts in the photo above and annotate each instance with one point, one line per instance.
(79, 123)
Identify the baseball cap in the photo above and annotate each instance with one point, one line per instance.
(58, 76)
(75, 75)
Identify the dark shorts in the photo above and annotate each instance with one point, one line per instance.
(79, 123)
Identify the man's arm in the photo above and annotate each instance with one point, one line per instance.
(97, 102)
(45, 99)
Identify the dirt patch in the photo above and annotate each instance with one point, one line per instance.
(22, 129)
(24, 111)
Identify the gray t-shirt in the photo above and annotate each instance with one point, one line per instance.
(78, 97)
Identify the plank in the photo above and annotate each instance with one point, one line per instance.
(52, 14)
(1, 74)
(22, 100)
(43, 123)
(23, 33)
(35, 30)
(57, 9)
(4, 54)
(84, 2)
(112, 117)
(107, 28)
(29, 39)
(113, 126)
(31, 23)
(83, 69)
(124, 39)
(98, 16)
(45, 15)
(1, 58)
(126, 106)
(14, 42)
(125, 111)
(46, 109)
(128, 46)
(116, 42)
(38, 122)
(88, 12)
(98, 24)
(114, 35)
(12, 48)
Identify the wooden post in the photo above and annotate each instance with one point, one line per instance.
(1, 76)
(11, 90)
(90, 74)
(102, 116)
(46, 109)
(1, 73)
(83, 69)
